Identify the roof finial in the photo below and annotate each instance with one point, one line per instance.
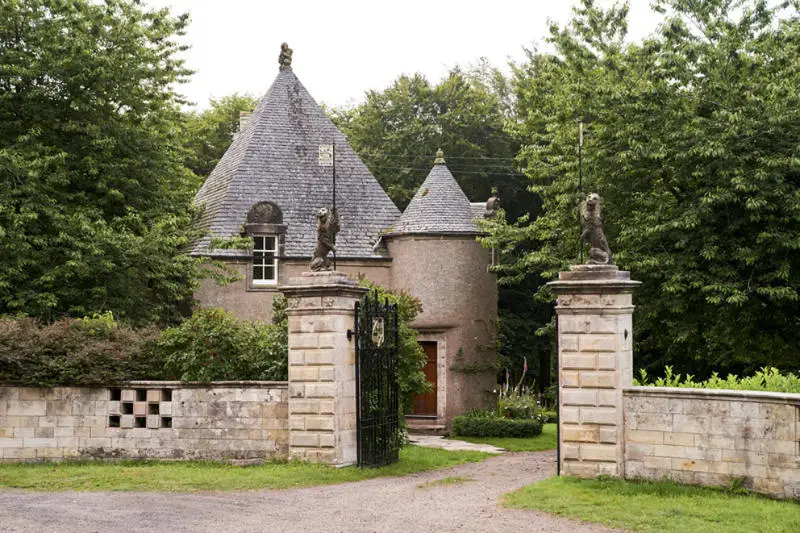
(439, 157)
(285, 59)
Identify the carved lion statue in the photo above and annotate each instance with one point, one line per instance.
(327, 228)
(592, 231)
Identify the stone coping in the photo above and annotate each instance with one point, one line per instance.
(716, 394)
(170, 385)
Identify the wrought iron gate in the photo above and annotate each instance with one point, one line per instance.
(377, 391)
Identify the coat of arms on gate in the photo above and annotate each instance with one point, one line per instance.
(378, 329)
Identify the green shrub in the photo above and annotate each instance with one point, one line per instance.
(766, 379)
(478, 425)
(92, 351)
(214, 345)
(550, 417)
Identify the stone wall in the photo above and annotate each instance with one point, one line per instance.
(149, 419)
(711, 437)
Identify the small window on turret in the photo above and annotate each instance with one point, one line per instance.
(265, 259)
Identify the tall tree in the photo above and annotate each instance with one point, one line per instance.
(209, 132)
(94, 197)
(397, 132)
(692, 141)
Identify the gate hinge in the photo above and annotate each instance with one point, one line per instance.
(350, 334)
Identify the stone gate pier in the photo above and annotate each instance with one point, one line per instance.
(322, 386)
(595, 363)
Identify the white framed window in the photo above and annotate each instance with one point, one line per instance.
(265, 260)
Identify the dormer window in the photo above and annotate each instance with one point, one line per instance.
(265, 259)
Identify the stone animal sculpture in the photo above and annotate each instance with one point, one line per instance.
(327, 228)
(285, 58)
(592, 231)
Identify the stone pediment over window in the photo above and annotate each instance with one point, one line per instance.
(264, 217)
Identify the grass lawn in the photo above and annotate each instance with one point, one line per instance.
(200, 475)
(545, 441)
(663, 507)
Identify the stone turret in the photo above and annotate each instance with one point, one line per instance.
(437, 259)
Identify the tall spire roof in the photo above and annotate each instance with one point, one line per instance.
(275, 158)
(438, 207)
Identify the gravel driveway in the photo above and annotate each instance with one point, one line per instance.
(404, 504)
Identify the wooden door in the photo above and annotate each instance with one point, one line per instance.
(425, 404)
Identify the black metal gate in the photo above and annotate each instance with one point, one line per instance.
(378, 425)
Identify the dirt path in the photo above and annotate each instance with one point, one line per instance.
(403, 504)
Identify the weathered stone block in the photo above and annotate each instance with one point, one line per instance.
(35, 393)
(297, 357)
(665, 450)
(9, 393)
(578, 361)
(570, 451)
(637, 452)
(569, 378)
(17, 453)
(27, 432)
(319, 423)
(599, 452)
(320, 357)
(644, 436)
(609, 398)
(579, 397)
(597, 343)
(607, 362)
(26, 407)
(649, 421)
(600, 415)
(321, 390)
(679, 439)
(602, 380)
(128, 395)
(569, 415)
(568, 343)
(154, 395)
(45, 433)
(303, 439)
(580, 433)
(303, 373)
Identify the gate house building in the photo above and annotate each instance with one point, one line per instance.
(269, 186)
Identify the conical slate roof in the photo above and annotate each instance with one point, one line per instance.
(276, 159)
(439, 206)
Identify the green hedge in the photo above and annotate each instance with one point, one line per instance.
(484, 426)
(76, 352)
(211, 345)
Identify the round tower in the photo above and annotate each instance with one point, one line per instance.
(437, 259)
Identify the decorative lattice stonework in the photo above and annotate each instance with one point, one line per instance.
(140, 408)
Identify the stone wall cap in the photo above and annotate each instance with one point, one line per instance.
(593, 285)
(325, 277)
(710, 394)
(594, 272)
(202, 384)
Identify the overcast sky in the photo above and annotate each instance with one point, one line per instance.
(346, 47)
